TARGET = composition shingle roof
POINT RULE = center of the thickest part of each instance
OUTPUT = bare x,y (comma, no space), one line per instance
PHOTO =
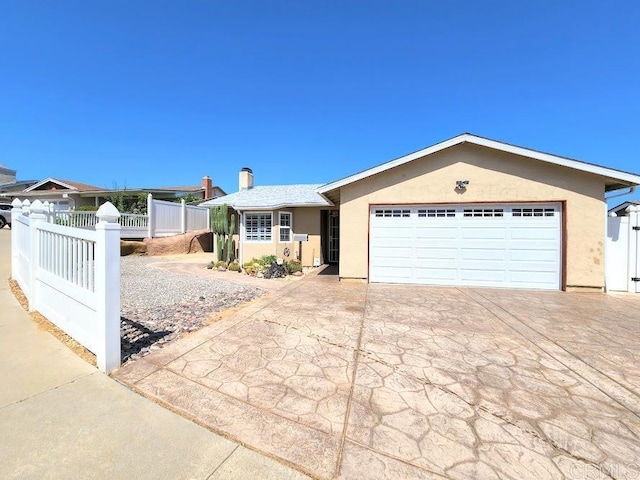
272,197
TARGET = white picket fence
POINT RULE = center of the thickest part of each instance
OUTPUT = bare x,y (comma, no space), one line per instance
71,275
623,252
162,220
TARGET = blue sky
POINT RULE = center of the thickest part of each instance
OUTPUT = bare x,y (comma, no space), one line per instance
151,93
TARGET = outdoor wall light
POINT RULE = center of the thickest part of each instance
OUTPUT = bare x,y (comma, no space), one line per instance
462,184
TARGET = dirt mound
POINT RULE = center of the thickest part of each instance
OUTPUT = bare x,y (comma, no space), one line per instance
191,242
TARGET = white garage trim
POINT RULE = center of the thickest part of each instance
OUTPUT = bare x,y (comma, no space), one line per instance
483,245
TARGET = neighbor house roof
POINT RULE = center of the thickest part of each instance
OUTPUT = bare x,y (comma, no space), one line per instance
621,210
616,178
68,184
270,197
12,186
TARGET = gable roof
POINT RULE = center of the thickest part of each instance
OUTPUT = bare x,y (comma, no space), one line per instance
271,197
618,178
65,184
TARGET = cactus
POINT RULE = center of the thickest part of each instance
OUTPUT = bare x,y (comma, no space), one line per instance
230,243
224,228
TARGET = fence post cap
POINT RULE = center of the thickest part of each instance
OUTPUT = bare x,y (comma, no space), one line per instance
613,214
37,207
26,203
108,213
633,208
16,203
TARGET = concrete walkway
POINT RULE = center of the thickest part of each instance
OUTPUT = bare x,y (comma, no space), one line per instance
61,418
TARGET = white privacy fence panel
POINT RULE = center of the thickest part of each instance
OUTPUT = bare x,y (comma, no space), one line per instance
72,276
167,218
197,218
623,252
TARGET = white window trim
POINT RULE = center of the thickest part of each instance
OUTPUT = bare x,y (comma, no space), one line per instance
290,227
244,236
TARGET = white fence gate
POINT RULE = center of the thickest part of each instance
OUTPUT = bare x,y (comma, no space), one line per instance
71,275
623,252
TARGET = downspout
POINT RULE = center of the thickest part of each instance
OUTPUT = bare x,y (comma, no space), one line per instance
606,228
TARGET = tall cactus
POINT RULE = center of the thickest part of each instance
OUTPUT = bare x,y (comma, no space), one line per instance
230,244
224,228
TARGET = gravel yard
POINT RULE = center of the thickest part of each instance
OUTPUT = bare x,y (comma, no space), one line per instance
159,305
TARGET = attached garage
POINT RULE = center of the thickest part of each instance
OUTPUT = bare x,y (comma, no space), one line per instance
496,245
471,211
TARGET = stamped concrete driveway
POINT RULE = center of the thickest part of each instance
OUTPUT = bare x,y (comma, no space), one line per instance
371,381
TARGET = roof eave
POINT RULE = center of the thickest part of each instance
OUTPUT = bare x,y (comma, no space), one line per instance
624,177
278,206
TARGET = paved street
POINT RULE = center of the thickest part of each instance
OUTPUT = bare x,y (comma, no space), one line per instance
372,381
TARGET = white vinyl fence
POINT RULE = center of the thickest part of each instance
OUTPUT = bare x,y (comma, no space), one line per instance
162,220
623,252
71,275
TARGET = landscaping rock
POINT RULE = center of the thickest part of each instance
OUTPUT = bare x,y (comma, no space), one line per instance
192,242
159,306
132,248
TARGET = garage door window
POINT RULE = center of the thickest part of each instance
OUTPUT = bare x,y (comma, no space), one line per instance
533,212
392,213
439,212
483,212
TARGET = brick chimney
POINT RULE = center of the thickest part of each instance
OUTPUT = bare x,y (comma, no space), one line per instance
245,179
207,186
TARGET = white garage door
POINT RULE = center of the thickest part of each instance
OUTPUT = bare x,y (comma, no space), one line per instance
516,246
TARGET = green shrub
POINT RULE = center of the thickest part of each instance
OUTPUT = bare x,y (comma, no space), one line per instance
293,266
234,267
267,260
221,263
87,208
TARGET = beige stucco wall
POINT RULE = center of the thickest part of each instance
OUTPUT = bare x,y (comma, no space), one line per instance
305,220
493,177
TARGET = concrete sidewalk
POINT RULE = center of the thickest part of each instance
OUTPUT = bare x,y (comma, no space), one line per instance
61,418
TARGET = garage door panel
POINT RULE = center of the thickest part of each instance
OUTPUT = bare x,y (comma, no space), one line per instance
476,245
486,254
393,275
437,274
392,256
528,277
424,232
429,254
530,233
394,232
529,255
483,233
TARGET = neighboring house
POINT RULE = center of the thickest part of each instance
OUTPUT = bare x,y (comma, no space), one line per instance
621,210
269,216
66,194
467,211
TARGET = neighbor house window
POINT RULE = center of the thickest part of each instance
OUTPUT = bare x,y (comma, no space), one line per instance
257,227
285,226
